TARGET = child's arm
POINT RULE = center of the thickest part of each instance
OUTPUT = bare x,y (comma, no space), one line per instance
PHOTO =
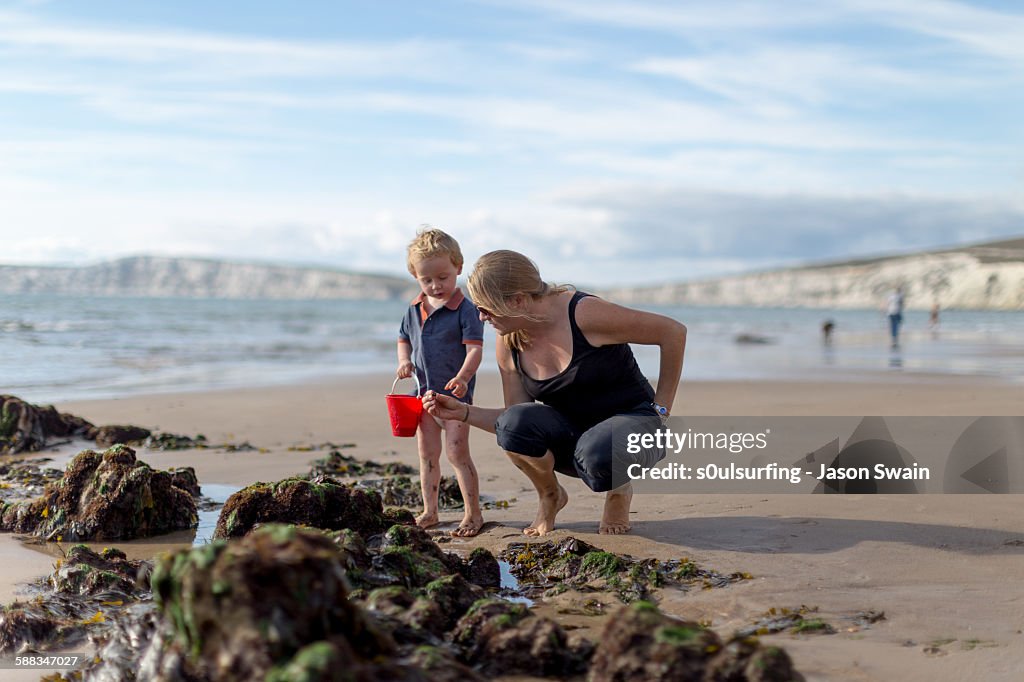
460,382
405,366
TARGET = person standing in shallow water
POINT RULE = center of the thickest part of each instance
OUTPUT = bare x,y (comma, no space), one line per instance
569,380
894,308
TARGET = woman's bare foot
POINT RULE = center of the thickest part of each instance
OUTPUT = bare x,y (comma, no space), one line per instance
615,520
550,505
427,520
470,527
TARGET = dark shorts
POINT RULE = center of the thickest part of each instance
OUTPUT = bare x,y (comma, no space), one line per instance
598,455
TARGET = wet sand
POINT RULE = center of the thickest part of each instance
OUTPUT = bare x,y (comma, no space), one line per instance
948,571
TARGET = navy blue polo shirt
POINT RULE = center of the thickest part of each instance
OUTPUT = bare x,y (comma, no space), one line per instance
439,340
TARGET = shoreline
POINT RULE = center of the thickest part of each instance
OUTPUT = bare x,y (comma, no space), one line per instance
936,565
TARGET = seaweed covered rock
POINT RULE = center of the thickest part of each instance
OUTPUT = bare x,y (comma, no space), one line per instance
454,596
337,465
320,503
641,643
85,572
24,480
78,600
410,619
482,569
25,427
104,496
438,665
186,479
412,558
272,605
499,638
572,563
22,627
402,491
114,434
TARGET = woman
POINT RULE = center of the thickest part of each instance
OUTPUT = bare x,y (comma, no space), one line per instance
568,350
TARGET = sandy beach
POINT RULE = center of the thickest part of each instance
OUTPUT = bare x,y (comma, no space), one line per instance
948,571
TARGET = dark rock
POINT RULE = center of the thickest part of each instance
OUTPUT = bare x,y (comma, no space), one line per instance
410,619
454,596
482,569
272,605
185,478
337,465
403,491
795,621
411,557
22,628
353,552
439,666
83,571
24,480
641,643
116,433
753,339
25,427
104,496
321,503
395,516
501,638
79,599
771,664
171,441
572,563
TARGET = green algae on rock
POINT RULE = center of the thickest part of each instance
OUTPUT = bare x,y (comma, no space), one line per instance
321,503
25,427
500,638
338,465
77,599
557,566
641,643
272,605
104,496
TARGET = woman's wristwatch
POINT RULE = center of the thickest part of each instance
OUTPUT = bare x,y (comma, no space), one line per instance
660,409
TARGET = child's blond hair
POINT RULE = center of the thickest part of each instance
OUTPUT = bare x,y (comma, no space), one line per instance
431,242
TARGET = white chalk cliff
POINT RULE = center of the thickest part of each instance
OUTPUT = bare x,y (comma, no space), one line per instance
984,276
150,276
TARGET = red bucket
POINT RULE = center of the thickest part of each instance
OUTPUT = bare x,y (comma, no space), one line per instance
404,410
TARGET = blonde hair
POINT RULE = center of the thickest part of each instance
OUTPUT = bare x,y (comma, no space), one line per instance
498,276
431,242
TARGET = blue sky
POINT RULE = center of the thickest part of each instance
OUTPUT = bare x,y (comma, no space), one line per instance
614,142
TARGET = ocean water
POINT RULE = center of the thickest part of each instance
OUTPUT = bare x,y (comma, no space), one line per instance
55,348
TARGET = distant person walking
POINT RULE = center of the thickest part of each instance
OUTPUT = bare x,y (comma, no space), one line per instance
894,308
827,327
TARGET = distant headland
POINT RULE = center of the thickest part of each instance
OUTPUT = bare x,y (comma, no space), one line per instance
987,276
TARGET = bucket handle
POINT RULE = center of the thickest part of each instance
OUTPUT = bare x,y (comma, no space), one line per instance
414,376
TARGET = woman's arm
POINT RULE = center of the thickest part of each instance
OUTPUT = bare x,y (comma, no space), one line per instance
511,382
604,323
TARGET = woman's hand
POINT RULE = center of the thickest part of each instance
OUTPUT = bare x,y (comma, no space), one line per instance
444,406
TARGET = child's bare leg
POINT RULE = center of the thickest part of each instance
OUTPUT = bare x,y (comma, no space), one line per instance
457,446
428,441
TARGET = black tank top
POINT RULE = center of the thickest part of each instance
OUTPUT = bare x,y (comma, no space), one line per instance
599,382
